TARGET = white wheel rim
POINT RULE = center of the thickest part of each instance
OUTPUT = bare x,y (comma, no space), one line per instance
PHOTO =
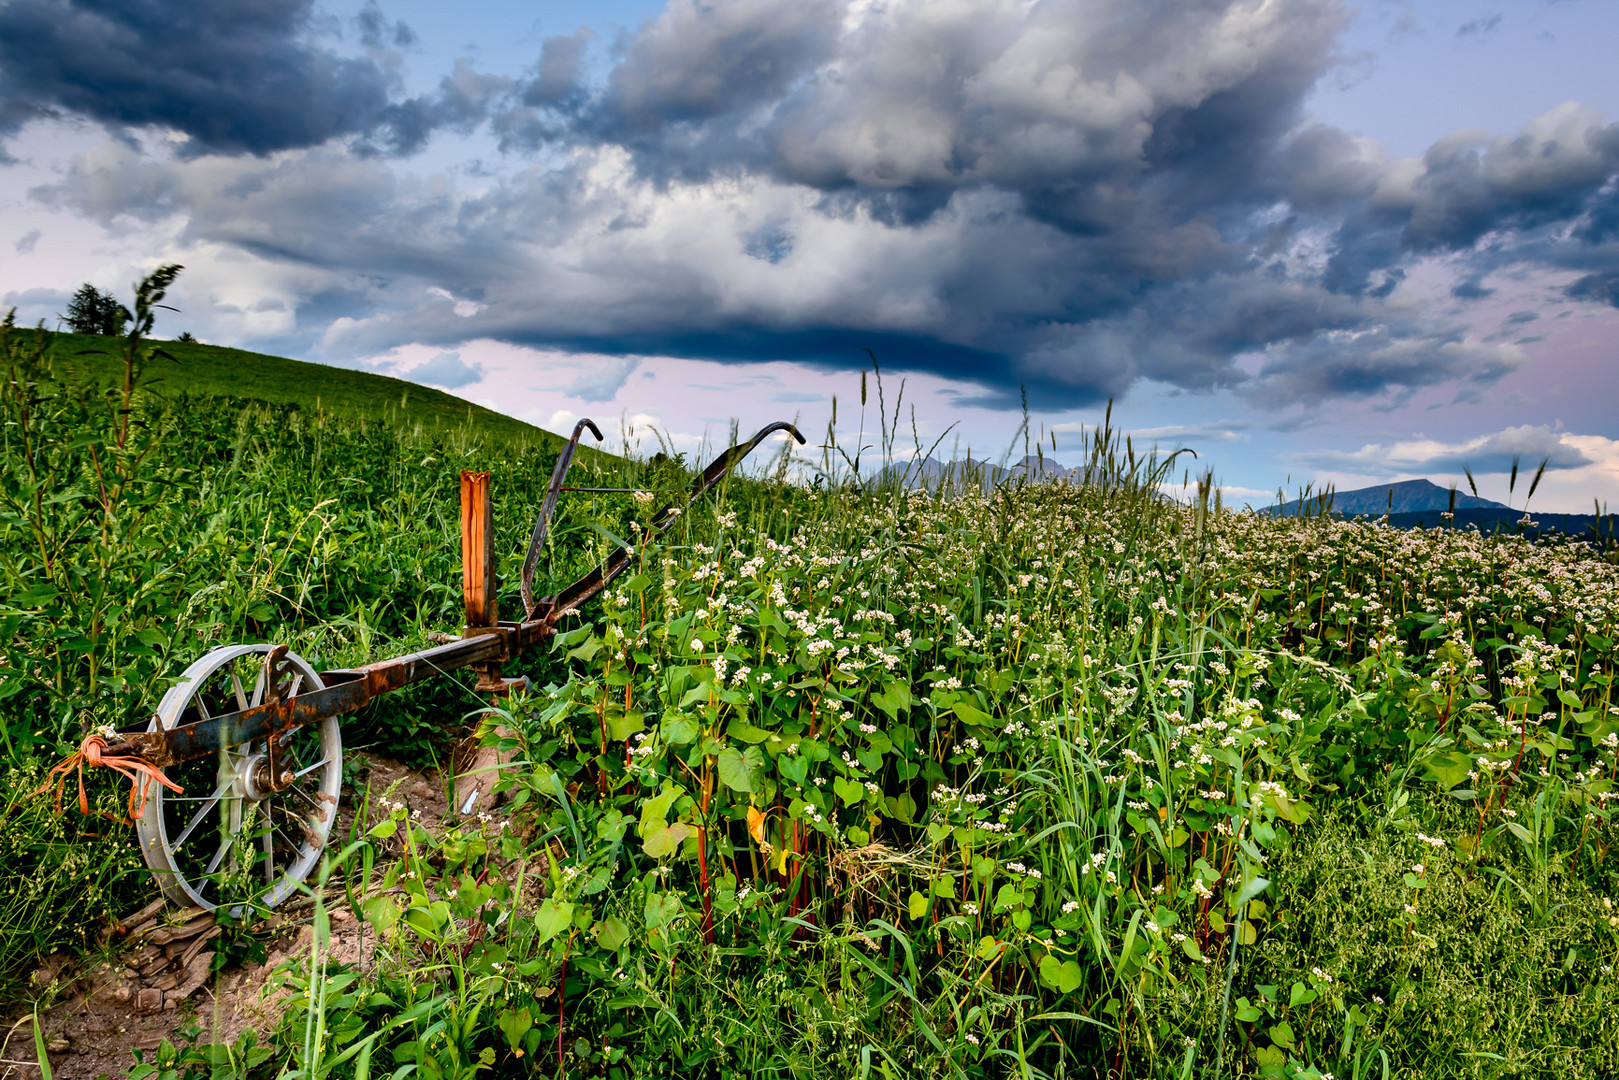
228,843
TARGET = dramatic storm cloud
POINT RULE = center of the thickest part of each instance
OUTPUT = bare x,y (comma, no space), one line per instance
232,75
1065,198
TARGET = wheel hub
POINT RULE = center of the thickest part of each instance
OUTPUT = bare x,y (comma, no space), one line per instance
255,778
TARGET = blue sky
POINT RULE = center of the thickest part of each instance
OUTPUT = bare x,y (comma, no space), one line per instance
1312,241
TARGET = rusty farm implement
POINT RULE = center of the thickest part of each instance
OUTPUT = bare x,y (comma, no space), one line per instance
238,772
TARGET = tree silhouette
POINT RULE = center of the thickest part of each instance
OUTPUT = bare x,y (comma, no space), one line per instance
92,311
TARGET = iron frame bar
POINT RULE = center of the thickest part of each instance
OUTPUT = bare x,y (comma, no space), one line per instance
349,689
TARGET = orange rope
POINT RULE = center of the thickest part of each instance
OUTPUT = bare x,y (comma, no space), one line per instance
138,771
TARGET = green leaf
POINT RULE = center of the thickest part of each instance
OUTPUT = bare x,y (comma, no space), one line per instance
656,809
552,918
848,790
734,771
893,699
1250,889
747,733
972,715
622,726
1448,767
679,729
382,912
662,909
612,932
1070,977
917,904
514,1024
663,842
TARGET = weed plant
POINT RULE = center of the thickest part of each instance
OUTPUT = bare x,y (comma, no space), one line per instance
138,531
852,778
1044,781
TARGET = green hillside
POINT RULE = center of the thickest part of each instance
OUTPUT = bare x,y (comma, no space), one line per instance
215,370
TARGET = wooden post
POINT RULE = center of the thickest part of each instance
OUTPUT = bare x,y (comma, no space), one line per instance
474,786
478,549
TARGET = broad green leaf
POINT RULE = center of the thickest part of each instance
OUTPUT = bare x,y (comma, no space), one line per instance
971,715
747,733
734,772
382,912
621,726
656,809
663,842
552,918
1448,767
612,932
662,909
514,1024
679,729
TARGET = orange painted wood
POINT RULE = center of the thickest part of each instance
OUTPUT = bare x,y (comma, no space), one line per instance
477,549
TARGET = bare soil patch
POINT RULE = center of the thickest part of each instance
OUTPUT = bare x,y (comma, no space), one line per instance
155,982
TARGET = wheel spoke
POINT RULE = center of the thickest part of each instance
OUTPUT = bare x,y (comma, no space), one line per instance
219,856
287,839
196,818
281,828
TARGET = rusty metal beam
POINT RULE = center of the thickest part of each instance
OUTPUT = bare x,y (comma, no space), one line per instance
591,584
486,641
542,523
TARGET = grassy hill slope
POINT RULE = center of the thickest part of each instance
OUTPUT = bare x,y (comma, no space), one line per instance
221,371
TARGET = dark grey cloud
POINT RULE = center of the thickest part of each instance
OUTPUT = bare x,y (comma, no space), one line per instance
1602,287
1054,197
1388,358
235,76
25,243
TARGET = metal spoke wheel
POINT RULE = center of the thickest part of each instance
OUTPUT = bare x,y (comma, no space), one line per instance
237,835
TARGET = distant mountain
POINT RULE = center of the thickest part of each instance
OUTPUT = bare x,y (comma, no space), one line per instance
1506,520
931,473
1409,497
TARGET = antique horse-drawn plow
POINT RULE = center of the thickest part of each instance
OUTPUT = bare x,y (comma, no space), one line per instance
237,774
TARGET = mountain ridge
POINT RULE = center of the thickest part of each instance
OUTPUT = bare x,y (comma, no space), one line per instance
1401,497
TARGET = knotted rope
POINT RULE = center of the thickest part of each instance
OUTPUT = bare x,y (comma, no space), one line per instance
138,771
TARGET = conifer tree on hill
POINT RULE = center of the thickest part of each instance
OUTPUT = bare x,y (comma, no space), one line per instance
92,311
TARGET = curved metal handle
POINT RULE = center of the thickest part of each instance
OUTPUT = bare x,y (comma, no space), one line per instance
542,524
595,581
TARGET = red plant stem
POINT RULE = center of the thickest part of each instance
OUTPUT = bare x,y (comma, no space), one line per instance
562,993
702,884
702,873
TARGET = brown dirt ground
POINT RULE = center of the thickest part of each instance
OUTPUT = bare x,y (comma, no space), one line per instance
92,1026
